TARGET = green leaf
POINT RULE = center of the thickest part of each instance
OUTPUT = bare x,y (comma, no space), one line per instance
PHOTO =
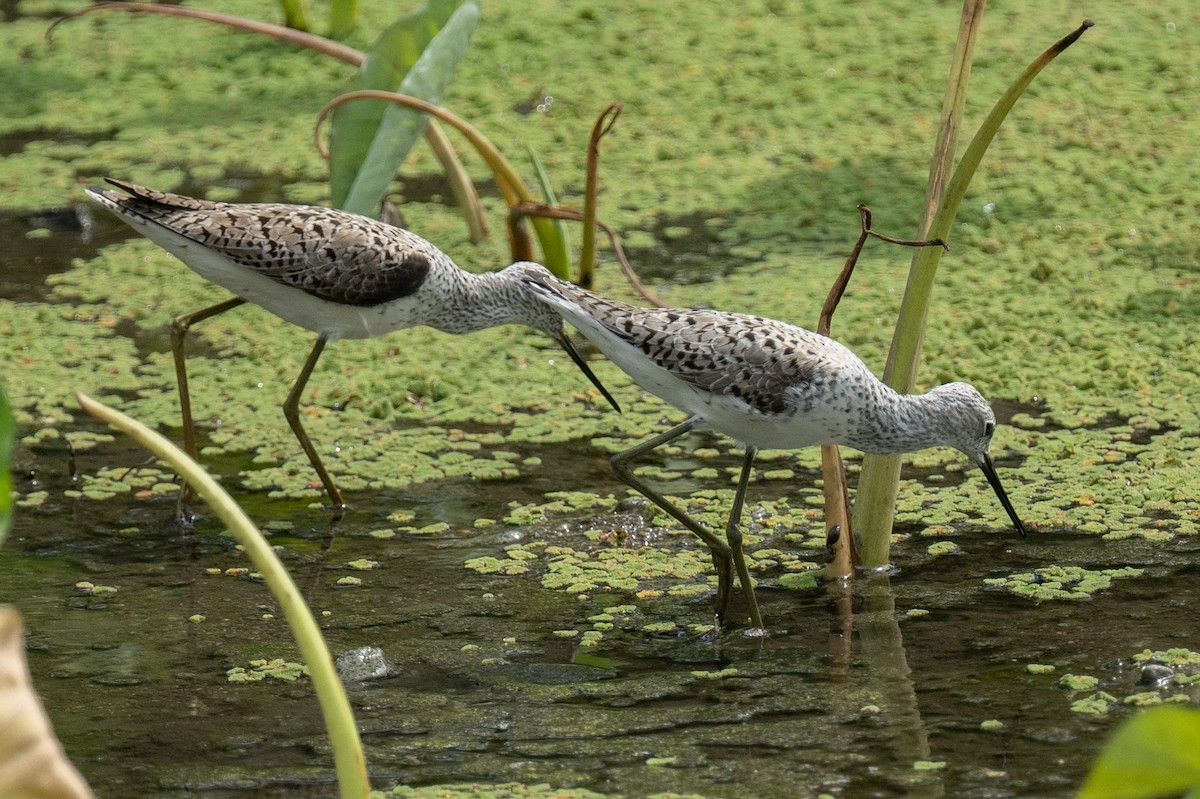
6,448
1154,754
417,55
552,234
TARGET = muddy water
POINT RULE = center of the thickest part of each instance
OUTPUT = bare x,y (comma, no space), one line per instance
845,695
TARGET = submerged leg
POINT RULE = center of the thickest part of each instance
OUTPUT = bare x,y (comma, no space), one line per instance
733,532
179,329
721,555
291,410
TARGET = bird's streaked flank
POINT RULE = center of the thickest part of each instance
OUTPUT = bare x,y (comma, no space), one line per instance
337,274
766,384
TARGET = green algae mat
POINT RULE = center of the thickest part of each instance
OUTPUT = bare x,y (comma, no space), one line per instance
549,636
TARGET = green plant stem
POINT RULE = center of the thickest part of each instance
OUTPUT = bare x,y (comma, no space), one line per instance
331,694
875,505
295,14
343,16
879,481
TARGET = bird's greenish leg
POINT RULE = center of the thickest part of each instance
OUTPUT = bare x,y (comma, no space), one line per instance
733,533
721,553
179,328
291,410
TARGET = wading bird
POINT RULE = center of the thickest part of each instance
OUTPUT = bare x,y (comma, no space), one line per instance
337,274
766,384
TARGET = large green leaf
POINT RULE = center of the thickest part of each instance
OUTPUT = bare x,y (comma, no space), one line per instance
417,55
1154,754
6,448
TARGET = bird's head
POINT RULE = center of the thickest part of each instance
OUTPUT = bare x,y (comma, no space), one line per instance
970,424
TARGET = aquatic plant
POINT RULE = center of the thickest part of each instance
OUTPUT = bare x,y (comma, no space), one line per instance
875,504
343,15
517,195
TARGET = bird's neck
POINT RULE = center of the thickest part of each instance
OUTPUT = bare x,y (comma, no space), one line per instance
893,423
476,301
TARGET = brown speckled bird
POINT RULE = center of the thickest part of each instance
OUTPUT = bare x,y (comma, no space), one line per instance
766,384
337,274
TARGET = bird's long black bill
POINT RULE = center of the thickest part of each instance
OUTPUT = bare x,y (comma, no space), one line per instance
587,370
989,471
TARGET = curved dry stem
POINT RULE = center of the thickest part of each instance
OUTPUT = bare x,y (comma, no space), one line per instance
587,256
507,180
460,182
309,41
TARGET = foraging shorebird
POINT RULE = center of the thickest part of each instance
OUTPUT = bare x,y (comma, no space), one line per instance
766,384
337,274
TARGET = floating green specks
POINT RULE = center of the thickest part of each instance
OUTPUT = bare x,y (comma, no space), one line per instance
363,564
1060,582
518,558
1039,668
660,627
33,499
507,790
1097,704
685,590
1169,657
943,548
592,638
929,765
801,581
1144,699
715,675
86,587
1078,682
348,582
991,725
276,669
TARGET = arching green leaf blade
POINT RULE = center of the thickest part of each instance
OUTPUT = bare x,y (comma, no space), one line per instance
369,140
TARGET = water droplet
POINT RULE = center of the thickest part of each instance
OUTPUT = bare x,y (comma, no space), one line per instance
989,208
1170,27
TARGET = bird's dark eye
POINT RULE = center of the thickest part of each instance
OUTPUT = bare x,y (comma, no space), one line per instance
989,428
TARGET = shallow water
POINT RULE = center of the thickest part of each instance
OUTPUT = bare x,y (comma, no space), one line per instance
846,693
1069,297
